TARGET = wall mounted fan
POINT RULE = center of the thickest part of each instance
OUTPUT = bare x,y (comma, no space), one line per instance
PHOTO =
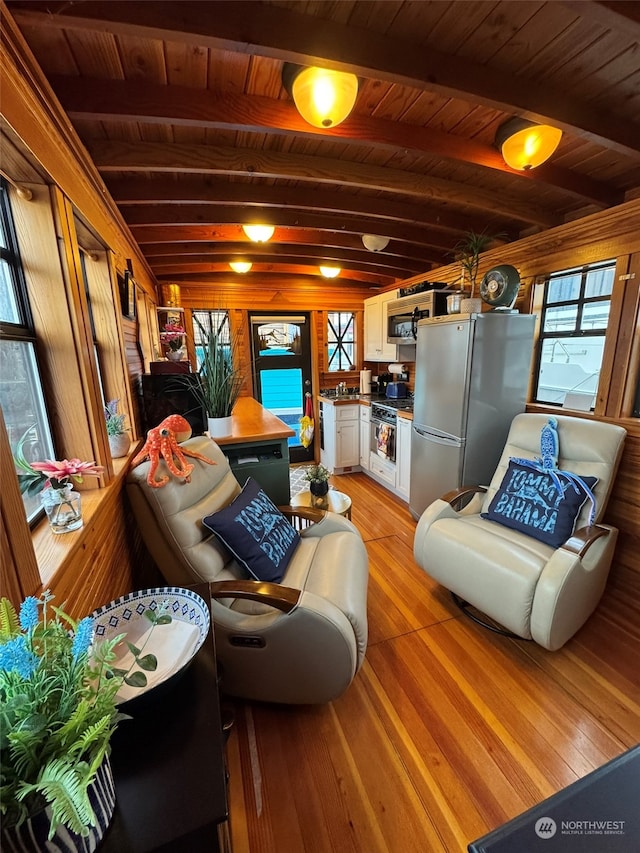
499,287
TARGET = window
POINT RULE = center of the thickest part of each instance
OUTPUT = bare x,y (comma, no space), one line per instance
575,315
340,341
211,321
21,395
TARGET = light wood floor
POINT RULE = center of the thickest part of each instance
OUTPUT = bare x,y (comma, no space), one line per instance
447,731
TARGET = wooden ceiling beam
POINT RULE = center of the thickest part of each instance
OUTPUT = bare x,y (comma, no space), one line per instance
133,101
187,190
292,36
272,251
287,239
262,261
270,276
210,217
118,156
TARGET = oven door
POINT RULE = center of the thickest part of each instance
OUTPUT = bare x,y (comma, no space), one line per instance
383,439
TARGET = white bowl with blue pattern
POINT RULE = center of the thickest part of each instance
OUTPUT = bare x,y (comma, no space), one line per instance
174,644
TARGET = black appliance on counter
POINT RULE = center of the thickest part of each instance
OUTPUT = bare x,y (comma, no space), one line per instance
383,380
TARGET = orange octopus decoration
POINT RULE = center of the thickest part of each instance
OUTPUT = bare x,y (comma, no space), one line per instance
162,441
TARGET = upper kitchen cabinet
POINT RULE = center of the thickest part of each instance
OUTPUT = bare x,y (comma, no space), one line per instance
376,347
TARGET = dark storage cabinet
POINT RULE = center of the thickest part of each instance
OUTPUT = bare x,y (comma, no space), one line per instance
171,394
267,462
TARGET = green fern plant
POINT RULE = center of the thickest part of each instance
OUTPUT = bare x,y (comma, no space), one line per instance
58,709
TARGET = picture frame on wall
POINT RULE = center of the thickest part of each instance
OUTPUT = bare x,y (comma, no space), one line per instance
127,295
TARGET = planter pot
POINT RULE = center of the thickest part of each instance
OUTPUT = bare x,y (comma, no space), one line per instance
319,487
220,427
471,306
119,444
32,835
175,355
63,508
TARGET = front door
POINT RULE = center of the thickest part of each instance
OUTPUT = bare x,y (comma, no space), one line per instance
281,351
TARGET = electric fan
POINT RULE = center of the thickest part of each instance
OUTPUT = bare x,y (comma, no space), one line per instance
499,287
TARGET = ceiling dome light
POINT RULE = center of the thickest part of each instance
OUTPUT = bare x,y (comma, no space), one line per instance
330,272
259,233
525,145
323,97
240,266
374,243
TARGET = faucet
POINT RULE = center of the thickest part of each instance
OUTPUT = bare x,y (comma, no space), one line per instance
341,388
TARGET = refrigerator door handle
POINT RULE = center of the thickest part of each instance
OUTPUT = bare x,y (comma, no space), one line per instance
438,439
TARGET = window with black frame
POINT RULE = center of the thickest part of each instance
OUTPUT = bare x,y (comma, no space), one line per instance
574,320
341,340
21,391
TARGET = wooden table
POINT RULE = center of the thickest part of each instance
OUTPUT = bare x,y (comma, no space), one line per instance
334,501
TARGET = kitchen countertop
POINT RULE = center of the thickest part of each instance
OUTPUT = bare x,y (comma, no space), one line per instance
362,399
251,422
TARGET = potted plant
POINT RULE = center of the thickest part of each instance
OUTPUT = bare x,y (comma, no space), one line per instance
119,440
58,710
467,251
220,380
318,478
172,335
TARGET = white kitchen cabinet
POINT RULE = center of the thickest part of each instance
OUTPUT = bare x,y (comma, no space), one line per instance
340,445
327,434
403,457
376,347
365,436
347,436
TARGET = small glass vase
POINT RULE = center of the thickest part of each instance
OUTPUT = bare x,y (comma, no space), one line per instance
63,508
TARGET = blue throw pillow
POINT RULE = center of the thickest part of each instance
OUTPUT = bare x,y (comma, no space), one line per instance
256,533
530,501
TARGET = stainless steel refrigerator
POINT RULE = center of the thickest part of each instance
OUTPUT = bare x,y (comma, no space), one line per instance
472,376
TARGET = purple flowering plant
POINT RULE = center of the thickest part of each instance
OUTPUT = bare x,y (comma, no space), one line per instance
58,709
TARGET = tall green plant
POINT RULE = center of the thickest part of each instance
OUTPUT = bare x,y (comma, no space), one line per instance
468,250
220,379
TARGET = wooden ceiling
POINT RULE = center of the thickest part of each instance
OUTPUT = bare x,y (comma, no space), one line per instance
182,109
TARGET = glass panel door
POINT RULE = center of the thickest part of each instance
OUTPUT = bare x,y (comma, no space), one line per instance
282,362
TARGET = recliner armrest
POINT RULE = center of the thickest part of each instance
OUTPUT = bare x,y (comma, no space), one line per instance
581,540
455,497
283,598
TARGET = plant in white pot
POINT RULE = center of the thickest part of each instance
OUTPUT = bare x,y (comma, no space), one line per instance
220,379
119,440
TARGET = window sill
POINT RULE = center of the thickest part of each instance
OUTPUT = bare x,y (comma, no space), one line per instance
53,550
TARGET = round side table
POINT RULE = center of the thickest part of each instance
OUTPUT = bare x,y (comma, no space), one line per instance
334,501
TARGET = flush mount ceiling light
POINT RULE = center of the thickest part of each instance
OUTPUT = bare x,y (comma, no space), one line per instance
323,97
330,272
240,266
259,233
525,145
374,243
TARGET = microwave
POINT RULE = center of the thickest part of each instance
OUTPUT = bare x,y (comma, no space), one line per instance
403,314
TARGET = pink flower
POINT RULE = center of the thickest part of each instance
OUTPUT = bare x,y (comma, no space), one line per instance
61,471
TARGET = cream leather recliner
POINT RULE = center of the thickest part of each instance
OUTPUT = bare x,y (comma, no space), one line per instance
300,641
533,590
